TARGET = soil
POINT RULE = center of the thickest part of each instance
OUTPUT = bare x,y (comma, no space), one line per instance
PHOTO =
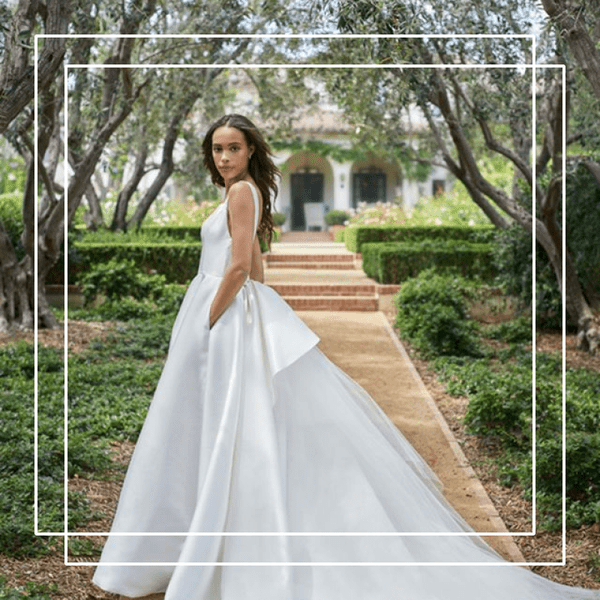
583,545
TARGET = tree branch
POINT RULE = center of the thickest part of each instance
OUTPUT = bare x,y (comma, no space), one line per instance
570,19
491,142
17,76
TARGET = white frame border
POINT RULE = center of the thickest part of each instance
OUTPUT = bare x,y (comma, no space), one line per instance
66,534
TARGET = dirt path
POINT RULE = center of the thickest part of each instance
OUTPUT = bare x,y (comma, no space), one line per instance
364,346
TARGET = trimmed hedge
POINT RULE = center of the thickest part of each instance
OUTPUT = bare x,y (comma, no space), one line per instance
355,237
396,262
340,235
176,260
179,232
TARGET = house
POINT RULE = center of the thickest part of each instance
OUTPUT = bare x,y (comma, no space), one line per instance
314,177
317,179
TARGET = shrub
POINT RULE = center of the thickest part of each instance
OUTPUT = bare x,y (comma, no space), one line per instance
500,405
12,219
278,219
340,235
164,301
433,316
139,339
16,451
30,591
583,223
513,253
118,279
147,234
515,331
176,260
377,213
357,236
395,262
502,409
336,217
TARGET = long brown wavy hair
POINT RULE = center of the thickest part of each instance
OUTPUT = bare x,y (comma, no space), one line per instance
261,166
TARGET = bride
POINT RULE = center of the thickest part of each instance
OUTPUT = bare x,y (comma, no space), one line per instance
260,462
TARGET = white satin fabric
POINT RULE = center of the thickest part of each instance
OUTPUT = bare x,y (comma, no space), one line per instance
253,429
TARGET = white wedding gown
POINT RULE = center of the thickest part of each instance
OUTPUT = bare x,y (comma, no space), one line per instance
253,429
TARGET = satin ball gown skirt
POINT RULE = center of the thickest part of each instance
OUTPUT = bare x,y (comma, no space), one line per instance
253,430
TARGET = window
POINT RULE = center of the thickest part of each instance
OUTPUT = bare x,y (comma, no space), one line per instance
368,186
438,186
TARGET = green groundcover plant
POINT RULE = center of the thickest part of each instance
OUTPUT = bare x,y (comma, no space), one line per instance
497,380
110,386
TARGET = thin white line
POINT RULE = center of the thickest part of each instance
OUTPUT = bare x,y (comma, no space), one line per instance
290,534
531,37
533,300
298,66
501,565
347,534
564,319
563,314
66,305
227,36
330,66
35,292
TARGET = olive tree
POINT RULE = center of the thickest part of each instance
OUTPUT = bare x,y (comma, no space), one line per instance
470,112
104,100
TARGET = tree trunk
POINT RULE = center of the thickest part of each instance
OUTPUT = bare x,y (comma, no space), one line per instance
8,265
93,216
550,238
118,222
166,165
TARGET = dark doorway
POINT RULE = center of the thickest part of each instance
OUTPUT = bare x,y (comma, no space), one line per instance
306,187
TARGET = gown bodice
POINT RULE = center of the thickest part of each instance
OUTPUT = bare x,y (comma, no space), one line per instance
216,239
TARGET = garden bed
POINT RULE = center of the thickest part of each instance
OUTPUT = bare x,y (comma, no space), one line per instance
583,544
50,574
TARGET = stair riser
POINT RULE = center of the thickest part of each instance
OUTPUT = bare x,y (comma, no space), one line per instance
311,265
324,290
365,304
273,258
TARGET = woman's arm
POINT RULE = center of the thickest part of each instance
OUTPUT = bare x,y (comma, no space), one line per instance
241,211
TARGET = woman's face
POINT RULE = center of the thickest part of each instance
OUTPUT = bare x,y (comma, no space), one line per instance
231,154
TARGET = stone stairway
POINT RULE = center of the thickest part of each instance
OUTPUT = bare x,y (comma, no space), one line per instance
323,276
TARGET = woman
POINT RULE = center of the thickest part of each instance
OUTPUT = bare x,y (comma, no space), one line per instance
252,430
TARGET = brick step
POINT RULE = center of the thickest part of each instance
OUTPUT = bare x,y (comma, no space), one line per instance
273,258
311,265
369,303
325,289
